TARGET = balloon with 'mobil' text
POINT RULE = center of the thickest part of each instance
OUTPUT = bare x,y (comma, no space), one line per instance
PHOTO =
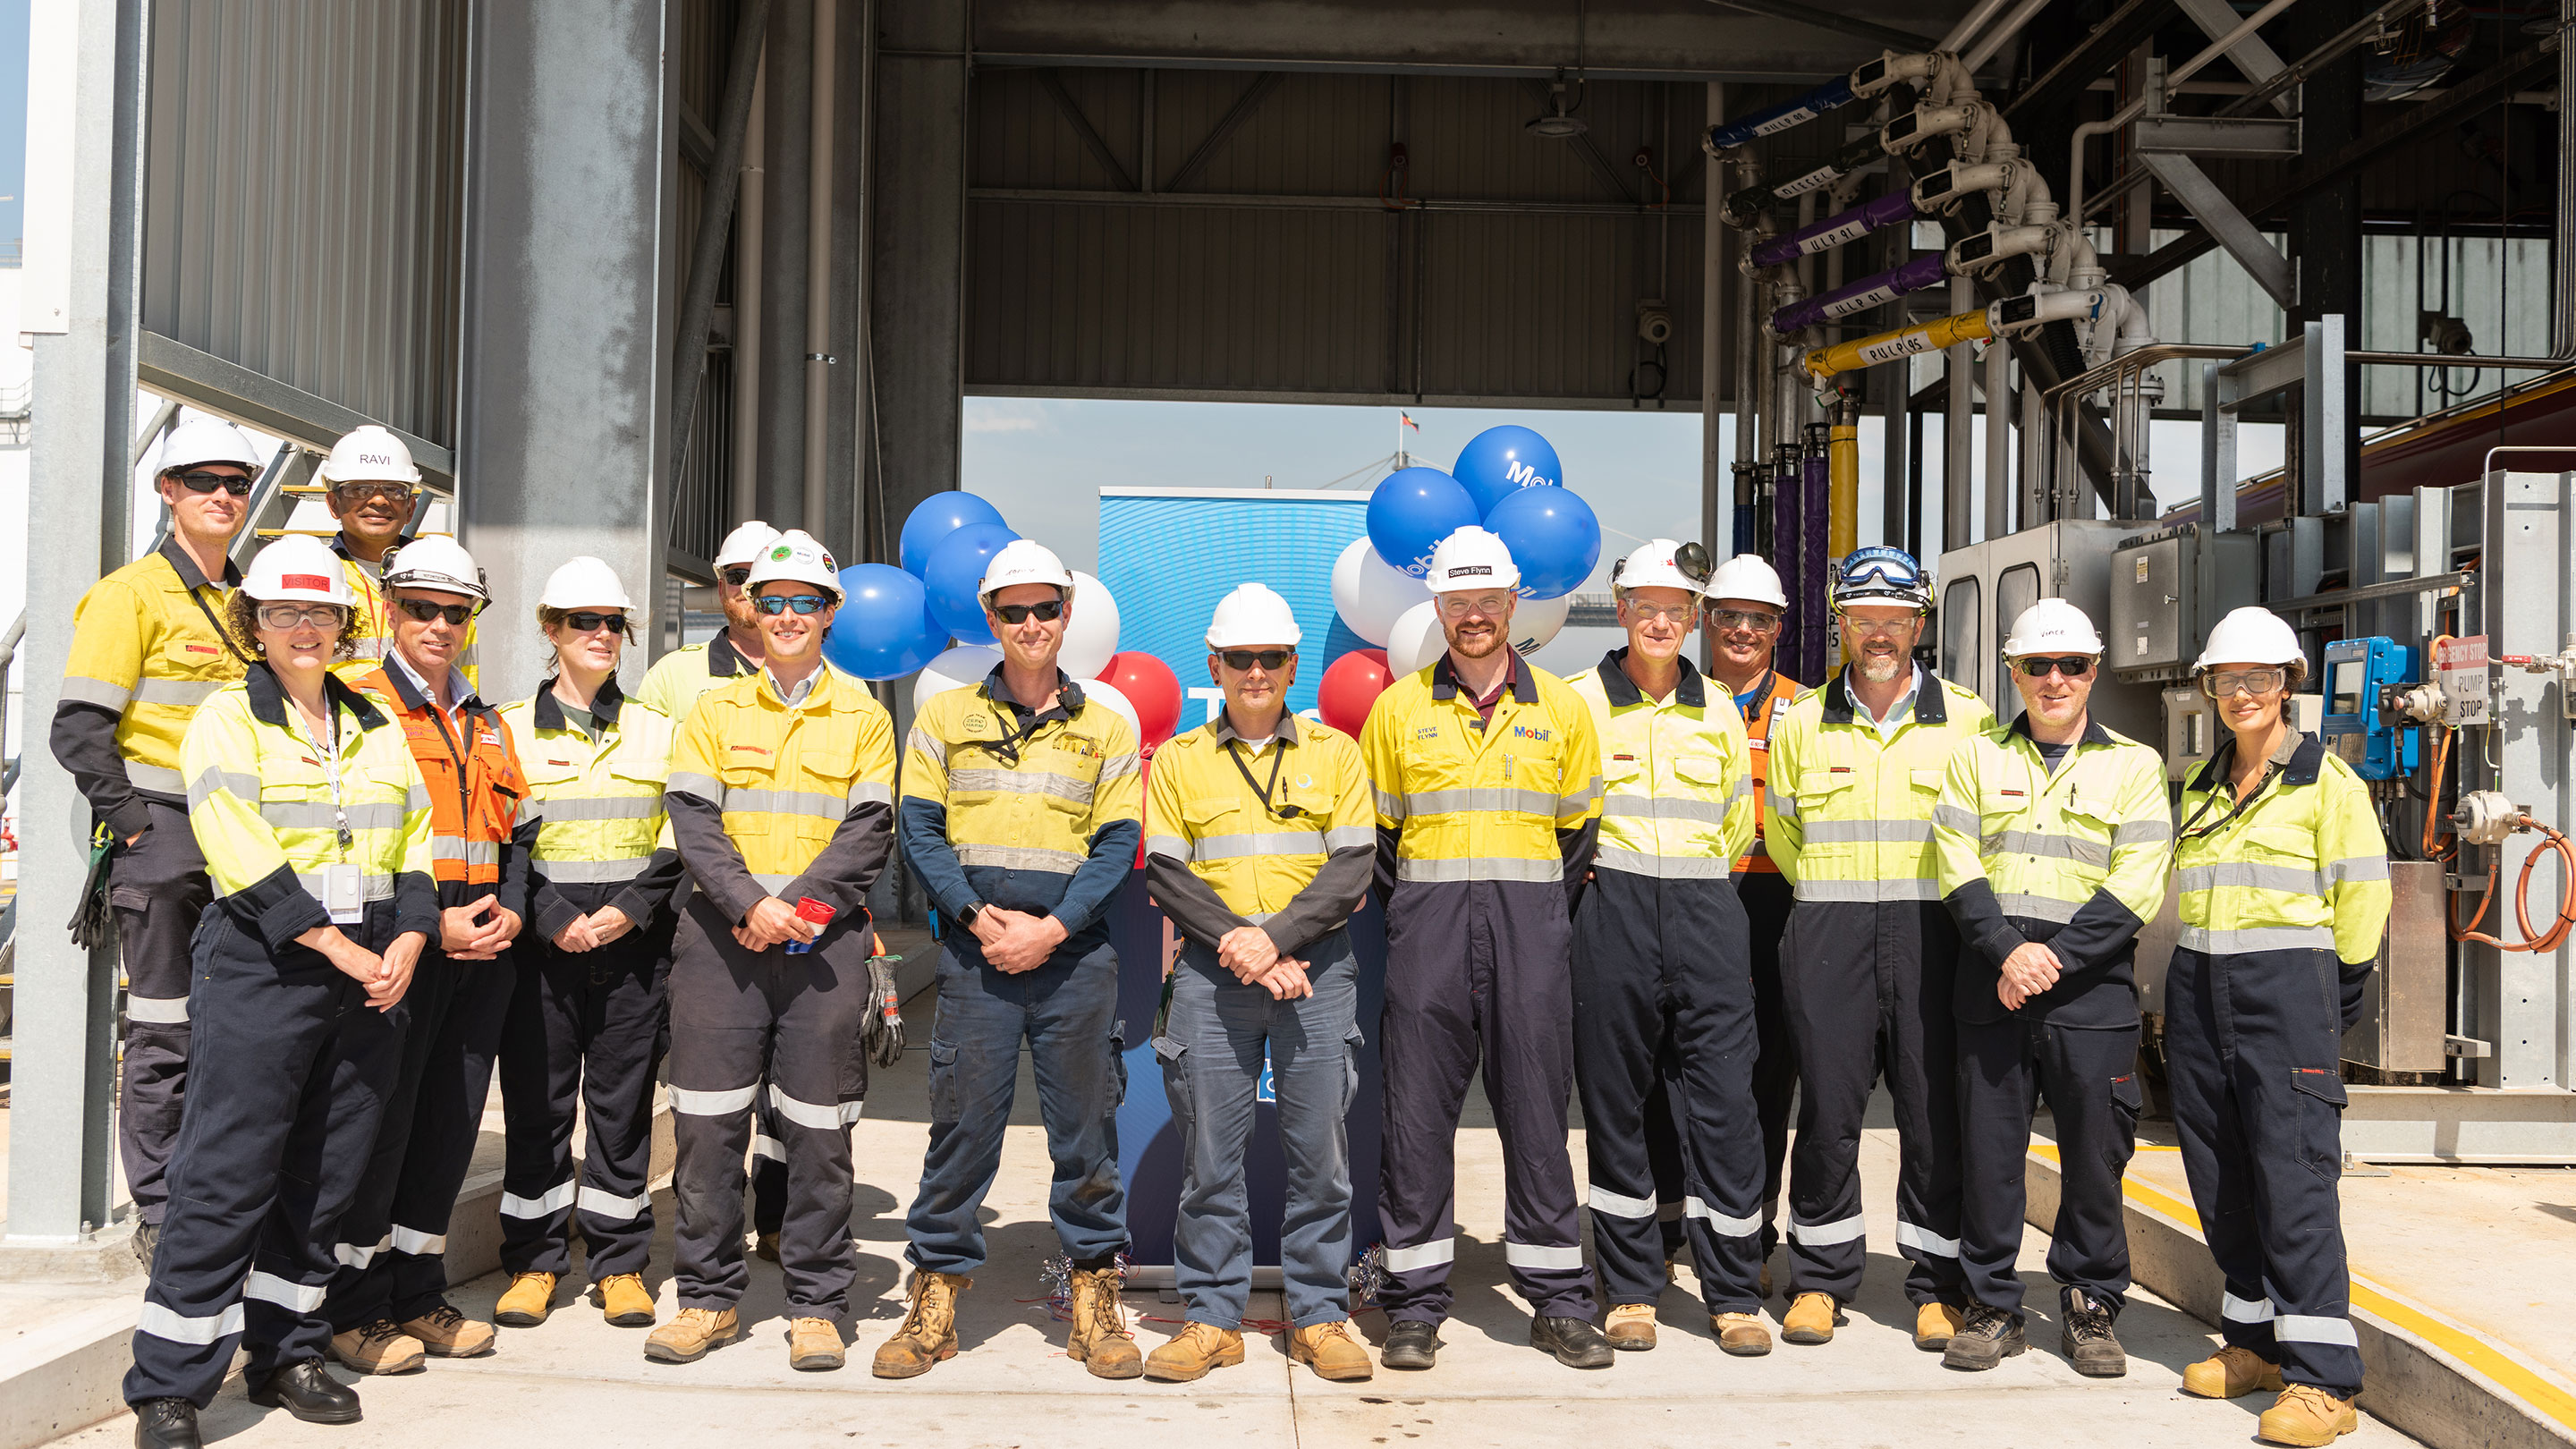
1553,538
1501,461
1411,511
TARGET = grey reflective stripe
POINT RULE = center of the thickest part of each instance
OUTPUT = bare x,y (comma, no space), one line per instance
373,887
2141,832
161,778
1118,766
202,789
158,1010
1959,818
418,799
2049,847
1923,1240
774,883
1540,1257
1812,889
2314,1328
2357,867
820,1116
320,815
1021,782
1343,837
1827,1234
689,782
869,792
2244,1310
1868,832
2247,875
922,740
785,802
1250,843
1020,857
1665,807
1719,1222
284,1292
554,1200
1426,1255
81,689
1661,867
472,852
1489,867
698,1103
608,1207
1575,802
600,807
2038,908
177,1327
1390,805
188,693
1170,847
589,872
1618,1205
1495,798
2256,938
1783,804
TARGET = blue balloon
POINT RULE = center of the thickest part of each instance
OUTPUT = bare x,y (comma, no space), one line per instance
1413,510
936,517
884,629
1553,537
954,575
1499,462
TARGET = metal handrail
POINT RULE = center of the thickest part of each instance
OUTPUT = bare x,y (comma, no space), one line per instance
8,660
2131,417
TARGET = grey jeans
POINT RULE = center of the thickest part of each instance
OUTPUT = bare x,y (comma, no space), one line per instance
1212,1053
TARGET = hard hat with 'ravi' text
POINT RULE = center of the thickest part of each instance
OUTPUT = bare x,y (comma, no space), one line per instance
745,545
584,583
2251,635
2052,626
798,557
1253,614
438,563
297,567
369,454
1748,576
1470,559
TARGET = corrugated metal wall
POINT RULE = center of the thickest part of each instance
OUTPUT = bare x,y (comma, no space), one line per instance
1278,268
302,183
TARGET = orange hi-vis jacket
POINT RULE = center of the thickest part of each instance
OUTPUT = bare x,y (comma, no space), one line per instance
475,787
1758,718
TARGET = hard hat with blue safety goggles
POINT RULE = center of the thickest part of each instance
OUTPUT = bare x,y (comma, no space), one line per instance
1881,575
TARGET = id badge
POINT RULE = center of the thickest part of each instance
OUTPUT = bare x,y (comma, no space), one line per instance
344,894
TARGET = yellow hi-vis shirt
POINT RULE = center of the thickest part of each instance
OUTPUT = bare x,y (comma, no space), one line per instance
147,651
679,679
2074,857
374,643
1851,808
1259,856
1475,799
2302,867
785,779
598,804
1677,794
264,808
1019,810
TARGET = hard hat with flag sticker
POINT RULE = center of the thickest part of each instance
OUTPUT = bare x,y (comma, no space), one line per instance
297,567
798,557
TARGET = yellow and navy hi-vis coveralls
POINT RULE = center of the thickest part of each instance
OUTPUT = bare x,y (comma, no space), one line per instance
1662,975
291,1064
1867,966
2074,858
1284,839
1485,828
585,1029
1037,811
793,798
146,651
374,603
2284,900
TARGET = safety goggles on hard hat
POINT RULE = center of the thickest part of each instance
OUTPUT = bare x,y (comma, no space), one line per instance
1891,571
776,604
1045,613
2039,666
232,483
423,611
1690,561
2222,683
1243,659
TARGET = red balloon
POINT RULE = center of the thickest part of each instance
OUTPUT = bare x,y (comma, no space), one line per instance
1351,686
1149,685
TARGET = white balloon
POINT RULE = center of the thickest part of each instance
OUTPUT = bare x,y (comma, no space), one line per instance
1114,697
1091,633
1536,621
1416,639
1370,593
965,665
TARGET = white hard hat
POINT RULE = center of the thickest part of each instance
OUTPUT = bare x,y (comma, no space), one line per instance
1748,576
200,439
2251,635
1253,614
796,556
435,562
1472,558
584,583
745,544
369,454
1659,565
298,567
1023,561
2052,626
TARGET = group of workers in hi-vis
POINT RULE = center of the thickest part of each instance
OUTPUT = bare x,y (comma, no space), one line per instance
349,890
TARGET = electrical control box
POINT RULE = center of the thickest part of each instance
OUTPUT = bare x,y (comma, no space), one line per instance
2361,722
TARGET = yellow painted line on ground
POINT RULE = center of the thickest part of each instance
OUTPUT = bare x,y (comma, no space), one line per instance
2544,1398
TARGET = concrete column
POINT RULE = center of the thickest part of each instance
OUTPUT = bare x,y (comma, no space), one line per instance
570,274
918,247
84,175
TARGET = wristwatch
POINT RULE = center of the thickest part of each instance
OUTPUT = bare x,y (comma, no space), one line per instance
967,916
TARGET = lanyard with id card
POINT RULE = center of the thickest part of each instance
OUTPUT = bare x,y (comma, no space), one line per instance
344,885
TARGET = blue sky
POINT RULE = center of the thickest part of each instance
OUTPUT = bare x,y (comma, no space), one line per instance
13,121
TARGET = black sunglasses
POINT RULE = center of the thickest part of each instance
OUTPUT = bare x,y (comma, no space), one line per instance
2073,666
422,610
1270,659
1046,613
589,619
736,576
777,604
237,486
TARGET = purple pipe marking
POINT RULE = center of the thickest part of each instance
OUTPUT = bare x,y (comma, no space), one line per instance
1834,230
1787,556
1924,271
1811,592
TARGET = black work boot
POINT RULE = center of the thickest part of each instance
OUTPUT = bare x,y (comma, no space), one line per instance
1990,1336
304,1390
1410,1344
166,1424
2086,1338
1574,1341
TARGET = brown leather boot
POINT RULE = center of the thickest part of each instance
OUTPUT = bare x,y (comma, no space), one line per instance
1630,1326
1197,1348
445,1333
1334,1352
929,1332
378,1348
1100,1340
1741,1334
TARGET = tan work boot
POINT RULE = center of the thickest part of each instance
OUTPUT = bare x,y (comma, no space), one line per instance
692,1335
624,1302
1935,1324
1335,1354
445,1333
1630,1326
1100,1340
2306,1414
2230,1373
1190,1353
1810,1319
1742,1334
814,1344
929,1331
765,1246
378,1348
530,1297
